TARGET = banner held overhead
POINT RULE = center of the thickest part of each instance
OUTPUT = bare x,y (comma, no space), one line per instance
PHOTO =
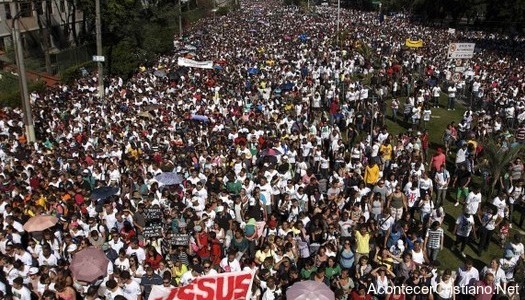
225,286
186,62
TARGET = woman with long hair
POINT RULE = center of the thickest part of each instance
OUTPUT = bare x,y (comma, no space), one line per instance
153,258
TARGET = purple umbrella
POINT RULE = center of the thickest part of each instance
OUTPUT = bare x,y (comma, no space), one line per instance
200,118
309,290
270,152
169,178
89,265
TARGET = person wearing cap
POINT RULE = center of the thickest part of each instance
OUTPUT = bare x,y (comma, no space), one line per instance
34,278
68,247
382,276
508,263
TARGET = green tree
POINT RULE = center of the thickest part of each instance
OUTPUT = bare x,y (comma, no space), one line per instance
497,159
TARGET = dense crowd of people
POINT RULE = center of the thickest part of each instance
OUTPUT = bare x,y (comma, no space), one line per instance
288,131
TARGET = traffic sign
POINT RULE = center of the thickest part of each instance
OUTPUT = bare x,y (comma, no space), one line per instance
99,58
456,77
461,50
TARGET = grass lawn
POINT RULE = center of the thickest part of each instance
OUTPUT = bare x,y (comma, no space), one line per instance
440,118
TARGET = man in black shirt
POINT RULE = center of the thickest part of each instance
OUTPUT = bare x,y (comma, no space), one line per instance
223,218
312,191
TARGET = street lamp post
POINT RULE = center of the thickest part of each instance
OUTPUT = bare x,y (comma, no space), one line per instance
98,28
180,17
24,92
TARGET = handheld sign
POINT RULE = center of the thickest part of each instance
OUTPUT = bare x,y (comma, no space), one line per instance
180,239
153,214
152,231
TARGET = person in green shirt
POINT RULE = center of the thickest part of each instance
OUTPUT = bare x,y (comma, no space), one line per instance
332,269
234,186
308,270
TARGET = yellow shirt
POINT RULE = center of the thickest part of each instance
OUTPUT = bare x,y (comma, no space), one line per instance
371,174
177,274
386,151
261,255
41,201
362,243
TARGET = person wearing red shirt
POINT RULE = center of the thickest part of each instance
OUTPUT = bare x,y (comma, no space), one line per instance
216,249
361,293
424,144
201,239
127,232
438,160
153,258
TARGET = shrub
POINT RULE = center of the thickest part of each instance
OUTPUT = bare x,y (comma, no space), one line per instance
70,74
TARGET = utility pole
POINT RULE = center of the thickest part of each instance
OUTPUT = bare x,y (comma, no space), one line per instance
24,92
180,18
338,18
100,54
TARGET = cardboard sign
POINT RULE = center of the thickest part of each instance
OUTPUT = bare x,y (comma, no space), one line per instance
152,231
224,286
180,239
153,214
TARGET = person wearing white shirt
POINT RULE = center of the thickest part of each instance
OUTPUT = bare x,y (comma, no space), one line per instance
122,262
464,225
22,255
516,246
452,97
9,270
436,92
190,275
112,290
508,263
473,201
500,203
34,248
500,279
130,288
116,243
467,275
47,258
110,216
272,291
138,251
20,292
230,263
442,179
461,155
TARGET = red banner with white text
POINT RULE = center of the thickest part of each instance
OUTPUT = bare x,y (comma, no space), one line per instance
224,286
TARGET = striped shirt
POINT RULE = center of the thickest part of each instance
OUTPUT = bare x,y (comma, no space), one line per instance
434,238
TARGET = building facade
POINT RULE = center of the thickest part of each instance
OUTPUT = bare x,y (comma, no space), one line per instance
51,12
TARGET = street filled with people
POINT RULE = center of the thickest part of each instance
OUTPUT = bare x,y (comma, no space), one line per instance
278,160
